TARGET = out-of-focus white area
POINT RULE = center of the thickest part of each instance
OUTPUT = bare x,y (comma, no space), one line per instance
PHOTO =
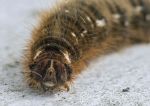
101,84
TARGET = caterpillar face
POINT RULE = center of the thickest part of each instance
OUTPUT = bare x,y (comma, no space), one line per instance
49,71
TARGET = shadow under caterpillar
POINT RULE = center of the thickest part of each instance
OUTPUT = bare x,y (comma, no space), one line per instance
78,31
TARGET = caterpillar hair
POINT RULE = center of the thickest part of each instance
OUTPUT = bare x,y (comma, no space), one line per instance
77,31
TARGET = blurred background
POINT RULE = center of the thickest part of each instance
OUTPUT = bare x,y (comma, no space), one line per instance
119,79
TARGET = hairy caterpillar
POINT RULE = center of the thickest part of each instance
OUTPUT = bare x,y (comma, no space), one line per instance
77,31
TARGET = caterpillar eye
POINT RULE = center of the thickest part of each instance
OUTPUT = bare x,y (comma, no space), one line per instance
32,66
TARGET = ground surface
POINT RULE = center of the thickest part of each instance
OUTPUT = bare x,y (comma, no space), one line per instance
119,79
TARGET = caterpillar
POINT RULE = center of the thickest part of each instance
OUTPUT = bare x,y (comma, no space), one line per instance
77,31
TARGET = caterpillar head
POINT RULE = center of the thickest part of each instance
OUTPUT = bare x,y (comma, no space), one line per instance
51,70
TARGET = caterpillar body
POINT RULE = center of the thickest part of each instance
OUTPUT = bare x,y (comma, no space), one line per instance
77,31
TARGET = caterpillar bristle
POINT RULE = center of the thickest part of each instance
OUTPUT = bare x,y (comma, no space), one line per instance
77,31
